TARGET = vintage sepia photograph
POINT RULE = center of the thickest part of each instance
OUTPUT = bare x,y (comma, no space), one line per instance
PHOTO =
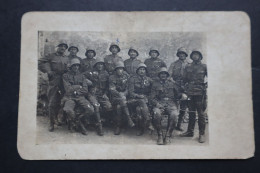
127,88
135,85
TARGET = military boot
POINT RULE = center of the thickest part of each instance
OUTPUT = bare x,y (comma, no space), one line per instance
160,139
100,129
51,127
129,119
82,127
202,138
180,119
187,134
117,130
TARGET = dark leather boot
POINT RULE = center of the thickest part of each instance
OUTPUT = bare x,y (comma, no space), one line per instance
129,119
51,127
187,134
117,130
82,128
100,129
160,139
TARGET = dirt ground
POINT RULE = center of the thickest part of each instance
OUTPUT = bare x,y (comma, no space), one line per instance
128,136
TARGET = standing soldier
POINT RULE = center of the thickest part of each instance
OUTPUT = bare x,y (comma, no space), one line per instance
98,92
111,60
139,89
55,65
154,64
194,76
164,95
76,88
176,71
73,49
132,63
118,83
89,61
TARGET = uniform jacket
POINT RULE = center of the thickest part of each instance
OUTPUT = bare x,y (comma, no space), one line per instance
164,91
100,81
87,64
118,84
138,85
75,84
55,63
110,62
176,71
131,65
194,76
154,66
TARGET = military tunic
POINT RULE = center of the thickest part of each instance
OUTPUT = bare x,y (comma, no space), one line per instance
131,65
153,66
87,64
118,88
110,62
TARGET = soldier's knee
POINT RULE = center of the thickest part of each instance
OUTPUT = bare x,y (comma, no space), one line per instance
89,108
157,113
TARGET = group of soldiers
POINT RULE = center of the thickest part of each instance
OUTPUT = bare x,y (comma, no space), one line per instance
110,87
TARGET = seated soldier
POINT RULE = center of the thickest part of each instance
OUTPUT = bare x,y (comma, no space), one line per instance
98,91
164,94
118,83
139,88
76,88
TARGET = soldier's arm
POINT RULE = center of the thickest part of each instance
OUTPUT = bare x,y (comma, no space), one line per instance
67,86
170,71
112,86
131,88
84,89
153,99
44,64
163,64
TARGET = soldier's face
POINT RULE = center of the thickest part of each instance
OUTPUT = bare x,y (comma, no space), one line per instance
141,71
195,57
163,76
100,66
154,54
132,54
182,56
90,54
75,67
114,49
62,48
119,71
73,51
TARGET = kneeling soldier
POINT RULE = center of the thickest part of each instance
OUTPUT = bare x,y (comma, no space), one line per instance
98,92
139,88
118,83
164,94
76,88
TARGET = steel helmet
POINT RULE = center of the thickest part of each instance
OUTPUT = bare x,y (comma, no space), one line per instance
62,42
182,50
98,60
154,49
141,65
119,64
132,48
163,70
74,61
90,49
73,46
114,44
196,51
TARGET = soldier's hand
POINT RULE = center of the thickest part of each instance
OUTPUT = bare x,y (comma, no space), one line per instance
158,105
140,96
51,74
184,96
